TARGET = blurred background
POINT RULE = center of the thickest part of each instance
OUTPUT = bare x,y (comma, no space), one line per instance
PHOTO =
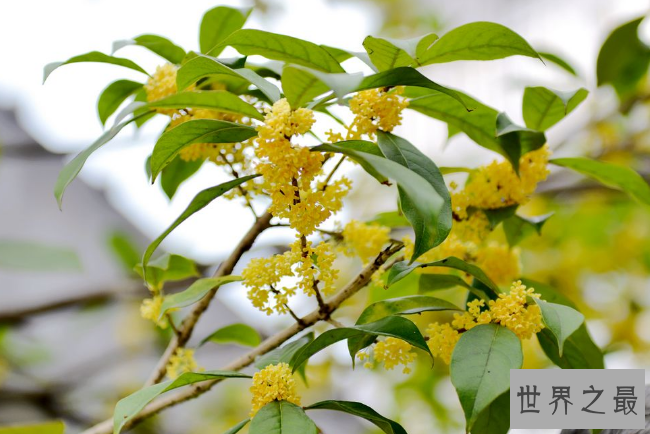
72,341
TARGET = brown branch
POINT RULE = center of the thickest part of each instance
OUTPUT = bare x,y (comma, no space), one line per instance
267,345
187,326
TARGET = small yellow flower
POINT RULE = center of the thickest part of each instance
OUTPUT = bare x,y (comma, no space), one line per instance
150,309
181,362
499,261
442,340
161,85
376,109
393,352
513,311
273,383
365,240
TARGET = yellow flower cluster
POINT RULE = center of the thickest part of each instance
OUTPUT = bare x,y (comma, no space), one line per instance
392,352
311,266
162,84
289,170
376,109
150,309
181,362
365,240
273,383
497,185
509,310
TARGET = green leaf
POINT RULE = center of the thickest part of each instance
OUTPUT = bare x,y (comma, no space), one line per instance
480,367
392,219
495,419
561,320
72,169
235,333
172,141
56,427
427,205
284,354
235,429
393,326
361,410
401,151
435,282
200,201
219,23
498,215
477,41
125,249
194,293
301,87
93,56
130,406
113,96
447,170
623,59
580,351
516,140
282,417
402,269
517,228
167,268
385,55
612,175
409,305
554,58
157,44
219,100
544,107
36,257
177,172
202,66
274,46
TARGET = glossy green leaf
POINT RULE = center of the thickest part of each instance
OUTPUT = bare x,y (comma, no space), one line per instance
517,228
516,141
200,201
37,257
477,41
194,293
401,151
72,169
235,429
288,49
618,177
177,172
56,427
172,141
285,353
436,282
480,367
235,334
623,59
402,269
554,58
409,305
202,66
113,96
561,320
498,215
167,268
385,55
219,100
544,107
392,326
157,44
93,56
219,23
129,407
427,205
360,410
301,87
580,351
495,419
282,417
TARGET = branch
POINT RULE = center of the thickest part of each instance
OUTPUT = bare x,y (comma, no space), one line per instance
195,390
187,326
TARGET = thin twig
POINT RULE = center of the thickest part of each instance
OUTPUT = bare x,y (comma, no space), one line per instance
193,391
